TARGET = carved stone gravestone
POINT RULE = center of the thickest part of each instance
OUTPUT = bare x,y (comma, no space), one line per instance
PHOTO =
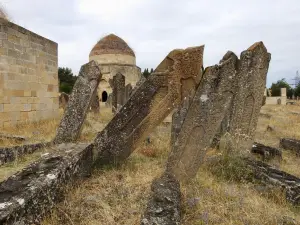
203,118
176,77
251,75
63,99
79,103
95,105
118,92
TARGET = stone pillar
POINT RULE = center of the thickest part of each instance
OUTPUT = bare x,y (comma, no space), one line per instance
118,92
283,92
128,90
95,105
79,103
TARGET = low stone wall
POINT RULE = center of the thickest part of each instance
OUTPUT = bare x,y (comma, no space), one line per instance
9,154
280,100
26,196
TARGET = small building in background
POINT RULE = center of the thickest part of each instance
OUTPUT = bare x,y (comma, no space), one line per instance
114,57
276,100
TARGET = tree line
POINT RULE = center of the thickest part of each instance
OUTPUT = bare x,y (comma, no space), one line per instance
275,88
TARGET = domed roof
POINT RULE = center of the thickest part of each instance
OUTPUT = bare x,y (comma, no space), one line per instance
111,44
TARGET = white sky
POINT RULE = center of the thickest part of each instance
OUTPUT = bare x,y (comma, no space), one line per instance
154,27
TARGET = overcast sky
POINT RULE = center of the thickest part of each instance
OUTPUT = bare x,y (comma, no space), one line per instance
154,27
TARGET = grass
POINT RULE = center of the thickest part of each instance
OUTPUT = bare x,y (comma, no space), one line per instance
220,194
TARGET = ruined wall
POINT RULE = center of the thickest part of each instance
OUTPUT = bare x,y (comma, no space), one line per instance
28,76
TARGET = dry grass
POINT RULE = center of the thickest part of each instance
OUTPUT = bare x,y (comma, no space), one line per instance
9,169
285,121
220,194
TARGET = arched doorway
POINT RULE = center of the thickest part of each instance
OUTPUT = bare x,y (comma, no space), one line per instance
104,96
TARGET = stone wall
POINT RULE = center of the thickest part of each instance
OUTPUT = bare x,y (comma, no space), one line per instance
279,100
28,76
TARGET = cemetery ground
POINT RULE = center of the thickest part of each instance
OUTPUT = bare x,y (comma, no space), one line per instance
221,193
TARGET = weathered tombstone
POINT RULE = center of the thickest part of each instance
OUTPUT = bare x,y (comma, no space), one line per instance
108,103
176,76
80,100
203,118
63,99
95,105
251,75
164,205
128,90
118,92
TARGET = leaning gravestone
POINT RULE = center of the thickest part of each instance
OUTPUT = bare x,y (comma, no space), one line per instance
251,75
128,90
79,103
180,72
203,118
118,92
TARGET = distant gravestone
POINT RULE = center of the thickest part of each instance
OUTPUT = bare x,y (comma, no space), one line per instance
63,99
128,90
118,92
203,118
149,104
79,103
95,105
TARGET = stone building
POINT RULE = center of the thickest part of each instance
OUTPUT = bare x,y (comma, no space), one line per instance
28,76
276,100
114,56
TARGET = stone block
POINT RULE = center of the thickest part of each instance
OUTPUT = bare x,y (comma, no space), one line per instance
3,36
13,53
4,116
26,107
79,103
3,51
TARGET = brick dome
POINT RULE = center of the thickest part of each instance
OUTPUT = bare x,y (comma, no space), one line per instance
111,44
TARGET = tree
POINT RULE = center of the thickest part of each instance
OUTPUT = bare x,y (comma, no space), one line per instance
66,79
146,72
275,88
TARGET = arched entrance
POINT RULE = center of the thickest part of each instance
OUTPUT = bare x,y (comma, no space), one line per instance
104,96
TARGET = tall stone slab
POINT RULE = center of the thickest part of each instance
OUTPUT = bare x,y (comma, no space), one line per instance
63,100
118,91
203,119
95,105
150,103
79,103
251,74
128,91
